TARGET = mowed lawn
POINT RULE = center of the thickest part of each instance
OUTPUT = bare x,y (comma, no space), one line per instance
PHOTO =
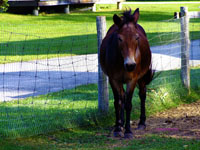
27,37
70,119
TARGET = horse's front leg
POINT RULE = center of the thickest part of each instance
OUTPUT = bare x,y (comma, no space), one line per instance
119,98
142,95
128,108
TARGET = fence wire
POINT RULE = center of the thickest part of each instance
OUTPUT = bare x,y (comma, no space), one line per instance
41,72
48,77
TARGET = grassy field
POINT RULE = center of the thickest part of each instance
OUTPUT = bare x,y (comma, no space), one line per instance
78,107
26,37
74,112
95,139
81,126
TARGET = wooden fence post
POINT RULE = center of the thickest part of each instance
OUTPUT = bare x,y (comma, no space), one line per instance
66,9
36,11
103,93
176,15
94,8
185,47
119,5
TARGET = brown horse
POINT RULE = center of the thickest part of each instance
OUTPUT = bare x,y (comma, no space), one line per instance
125,57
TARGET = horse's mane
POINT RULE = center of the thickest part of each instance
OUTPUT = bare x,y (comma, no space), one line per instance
127,17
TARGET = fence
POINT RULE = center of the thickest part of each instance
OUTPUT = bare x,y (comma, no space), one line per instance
102,79
48,75
120,4
42,69
185,43
185,52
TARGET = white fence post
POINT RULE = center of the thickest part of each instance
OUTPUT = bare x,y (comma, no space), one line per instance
185,47
103,93
36,11
67,9
94,7
119,5
176,15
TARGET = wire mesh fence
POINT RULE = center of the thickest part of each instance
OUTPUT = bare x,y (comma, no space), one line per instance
37,60
166,47
48,77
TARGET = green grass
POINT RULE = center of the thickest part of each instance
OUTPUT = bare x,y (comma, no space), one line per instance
26,37
78,107
160,143
74,112
95,139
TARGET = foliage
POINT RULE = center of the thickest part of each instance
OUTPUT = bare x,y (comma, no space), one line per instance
3,5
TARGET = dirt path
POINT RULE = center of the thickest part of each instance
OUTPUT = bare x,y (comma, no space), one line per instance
180,122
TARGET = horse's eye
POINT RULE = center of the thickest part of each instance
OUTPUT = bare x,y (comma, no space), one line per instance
137,38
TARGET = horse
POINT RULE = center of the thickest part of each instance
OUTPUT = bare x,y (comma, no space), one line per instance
125,57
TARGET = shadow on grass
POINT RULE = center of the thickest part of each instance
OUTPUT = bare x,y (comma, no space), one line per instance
20,120
45,113
72,45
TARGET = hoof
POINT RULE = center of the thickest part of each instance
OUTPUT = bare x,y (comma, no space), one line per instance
118,134
141,127
128,135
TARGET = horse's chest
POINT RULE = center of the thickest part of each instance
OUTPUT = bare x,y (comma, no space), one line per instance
124,76
127,77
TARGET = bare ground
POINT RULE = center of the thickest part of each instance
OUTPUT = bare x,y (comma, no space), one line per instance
180,122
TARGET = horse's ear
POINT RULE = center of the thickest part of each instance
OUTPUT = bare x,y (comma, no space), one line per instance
117,20
136,15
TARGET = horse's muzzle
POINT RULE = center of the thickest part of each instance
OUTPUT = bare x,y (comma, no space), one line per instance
130,67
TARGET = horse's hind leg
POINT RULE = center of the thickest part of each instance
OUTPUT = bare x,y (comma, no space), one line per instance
119,96
142,95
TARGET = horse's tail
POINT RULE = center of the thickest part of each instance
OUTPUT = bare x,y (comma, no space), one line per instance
149,76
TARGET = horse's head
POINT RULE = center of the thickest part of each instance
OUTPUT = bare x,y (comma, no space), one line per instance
128,38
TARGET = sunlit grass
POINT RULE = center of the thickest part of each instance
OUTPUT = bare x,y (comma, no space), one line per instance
79,107
29,37
74,112
75,33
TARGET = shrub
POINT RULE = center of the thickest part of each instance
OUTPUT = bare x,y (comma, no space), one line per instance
3,5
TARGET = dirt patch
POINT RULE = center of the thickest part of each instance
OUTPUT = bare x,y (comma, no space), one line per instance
180,122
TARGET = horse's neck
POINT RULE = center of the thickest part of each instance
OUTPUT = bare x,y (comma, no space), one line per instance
113,55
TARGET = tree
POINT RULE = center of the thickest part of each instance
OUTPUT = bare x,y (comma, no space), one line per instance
3,5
